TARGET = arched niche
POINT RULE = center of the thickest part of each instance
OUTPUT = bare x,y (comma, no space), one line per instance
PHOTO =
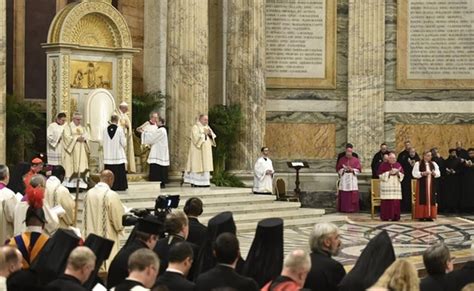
89,47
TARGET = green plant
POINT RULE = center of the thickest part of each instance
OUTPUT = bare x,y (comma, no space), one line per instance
225,121
226,179
23,123
145,103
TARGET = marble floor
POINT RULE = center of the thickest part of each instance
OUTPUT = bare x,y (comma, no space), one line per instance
409,238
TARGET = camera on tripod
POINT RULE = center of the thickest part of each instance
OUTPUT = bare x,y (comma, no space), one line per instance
163,205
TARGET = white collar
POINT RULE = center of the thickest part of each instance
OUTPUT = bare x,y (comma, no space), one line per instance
227,265
53,179
174,271
102,185
34,229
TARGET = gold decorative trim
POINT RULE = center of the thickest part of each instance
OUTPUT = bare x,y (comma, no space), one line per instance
54,87
65,102
66,25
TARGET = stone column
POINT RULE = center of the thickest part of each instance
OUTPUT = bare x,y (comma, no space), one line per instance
3,83
187,74
245,76
365,106
154,46
19,48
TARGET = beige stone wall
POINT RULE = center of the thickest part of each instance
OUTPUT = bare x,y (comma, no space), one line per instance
3,101
133,11
426,136
301,140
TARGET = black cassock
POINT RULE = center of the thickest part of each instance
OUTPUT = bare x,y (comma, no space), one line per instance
23,280
118,270
376,161
127,285
65,283
404,160
438,183
450,198
467,186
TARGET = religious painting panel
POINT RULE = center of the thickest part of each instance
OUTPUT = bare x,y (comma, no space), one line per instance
90,75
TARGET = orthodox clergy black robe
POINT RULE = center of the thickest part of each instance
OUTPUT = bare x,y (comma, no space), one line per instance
326,273
404,160
376,161
66,283
467,186
450,199
118,270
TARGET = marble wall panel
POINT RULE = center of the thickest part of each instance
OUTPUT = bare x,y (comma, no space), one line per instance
301,140
427,136
338,119
391,92
427,130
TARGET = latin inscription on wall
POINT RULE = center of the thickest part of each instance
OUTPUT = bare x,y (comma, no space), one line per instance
436,42
300,43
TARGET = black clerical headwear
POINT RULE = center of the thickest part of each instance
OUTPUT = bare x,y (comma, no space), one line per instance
52,260
265,258
222,222
150,224
101,247
377,256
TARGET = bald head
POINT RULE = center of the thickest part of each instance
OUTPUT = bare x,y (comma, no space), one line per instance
10,260
297,265
107,177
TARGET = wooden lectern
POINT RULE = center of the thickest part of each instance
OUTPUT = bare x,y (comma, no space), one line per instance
297,165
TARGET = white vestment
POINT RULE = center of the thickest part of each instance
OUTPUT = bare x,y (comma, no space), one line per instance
126,125
157,139
75,154
19,226
200,162
114,148
7,213
54,145
390,186
263,182
417,174
102,216
348,181
57,194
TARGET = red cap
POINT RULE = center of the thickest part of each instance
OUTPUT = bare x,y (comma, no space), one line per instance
37,161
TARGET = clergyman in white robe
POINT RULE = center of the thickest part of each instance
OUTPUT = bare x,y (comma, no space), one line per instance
263,174
54,146
115,159
126,125
7,207
58,195
102,214
159,157
76,151
200,162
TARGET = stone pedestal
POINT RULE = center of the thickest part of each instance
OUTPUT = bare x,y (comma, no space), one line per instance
3,84
245,76
154,47
365,108
187,74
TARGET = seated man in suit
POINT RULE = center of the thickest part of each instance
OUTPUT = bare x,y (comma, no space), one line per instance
179,263
222,276
177,227
143,266
438,262
197,231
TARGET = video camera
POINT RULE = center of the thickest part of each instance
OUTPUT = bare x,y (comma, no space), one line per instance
163,205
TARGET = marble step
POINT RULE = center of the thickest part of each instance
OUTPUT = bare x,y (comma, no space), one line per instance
285,214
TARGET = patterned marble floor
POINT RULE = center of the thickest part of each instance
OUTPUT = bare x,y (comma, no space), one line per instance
409,238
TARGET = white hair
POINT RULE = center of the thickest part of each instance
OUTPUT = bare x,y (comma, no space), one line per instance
319,233
76,114
297,261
